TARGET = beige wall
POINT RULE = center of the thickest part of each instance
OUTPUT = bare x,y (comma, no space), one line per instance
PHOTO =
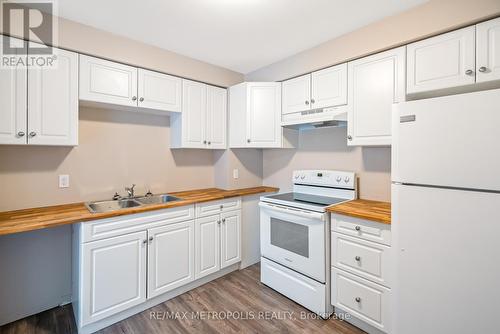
248,161
431,18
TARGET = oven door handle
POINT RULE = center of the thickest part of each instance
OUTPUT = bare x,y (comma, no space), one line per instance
297,212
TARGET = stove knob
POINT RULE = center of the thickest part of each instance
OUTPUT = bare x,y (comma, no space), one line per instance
338,179
302,177
296,177
346,179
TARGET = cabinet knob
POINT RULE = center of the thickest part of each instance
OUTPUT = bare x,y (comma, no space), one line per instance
209,142
248,140
151,238
482,69
21,134
312,101
307,103
357,228
221,206
218,222
223,220
469,72
357,299
141,99
145,241
357,258
349,137
134,98
204,142
32,134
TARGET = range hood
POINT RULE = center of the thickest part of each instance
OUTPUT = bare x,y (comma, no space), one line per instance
316,118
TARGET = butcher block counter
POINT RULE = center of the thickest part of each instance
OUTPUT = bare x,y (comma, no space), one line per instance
51,216
365,209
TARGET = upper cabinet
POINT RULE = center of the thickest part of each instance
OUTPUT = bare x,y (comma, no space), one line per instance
202,122
320,89
255,116
375,83
107,82
442,62
39,104
488,51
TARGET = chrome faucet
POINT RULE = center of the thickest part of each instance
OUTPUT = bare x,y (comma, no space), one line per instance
130,191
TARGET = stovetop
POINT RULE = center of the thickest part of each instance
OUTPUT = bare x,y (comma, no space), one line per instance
304,201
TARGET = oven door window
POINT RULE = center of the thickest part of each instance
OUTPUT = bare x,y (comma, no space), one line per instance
290,236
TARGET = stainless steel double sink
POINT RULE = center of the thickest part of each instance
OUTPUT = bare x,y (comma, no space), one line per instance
113,205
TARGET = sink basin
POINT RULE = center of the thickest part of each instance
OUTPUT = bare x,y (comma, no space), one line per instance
105,206
157,199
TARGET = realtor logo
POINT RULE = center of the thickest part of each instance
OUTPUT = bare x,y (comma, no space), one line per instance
31,21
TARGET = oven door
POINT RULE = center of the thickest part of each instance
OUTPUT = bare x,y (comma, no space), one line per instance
294,238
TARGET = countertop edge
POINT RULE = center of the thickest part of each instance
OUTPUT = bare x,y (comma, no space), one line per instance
376,211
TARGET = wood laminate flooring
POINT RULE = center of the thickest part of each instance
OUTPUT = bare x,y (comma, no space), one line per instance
234,297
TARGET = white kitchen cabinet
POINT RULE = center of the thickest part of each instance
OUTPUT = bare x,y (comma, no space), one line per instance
207,245
320,89
255,117
488,51
53,101
107,82
158,91
39,105
375,83
230,238
202,122
13,99
296,94
170,257
114,276
443,61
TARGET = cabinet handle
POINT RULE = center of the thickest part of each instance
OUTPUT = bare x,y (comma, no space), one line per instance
357,228
469,72
482,69
141,99
312,101
349,137
134,98
248,140
307,103
21,134
357,258
151,238
32,134
357,299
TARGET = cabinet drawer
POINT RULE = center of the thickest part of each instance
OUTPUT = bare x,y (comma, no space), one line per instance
364,258
105,228
363,229
365,300
216,207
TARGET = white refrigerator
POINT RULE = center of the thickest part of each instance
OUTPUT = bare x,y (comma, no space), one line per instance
446,214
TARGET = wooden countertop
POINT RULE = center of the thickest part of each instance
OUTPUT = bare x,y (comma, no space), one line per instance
51,216
365,209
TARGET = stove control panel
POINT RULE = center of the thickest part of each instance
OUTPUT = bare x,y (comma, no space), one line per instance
325,178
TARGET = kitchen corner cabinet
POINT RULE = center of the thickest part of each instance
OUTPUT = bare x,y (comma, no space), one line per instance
108,83
255,117
375,83
39,105
320,89
488,51
202,122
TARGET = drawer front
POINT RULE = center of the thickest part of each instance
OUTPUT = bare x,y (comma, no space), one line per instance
105,228
367,259
364,229
215,207
365,300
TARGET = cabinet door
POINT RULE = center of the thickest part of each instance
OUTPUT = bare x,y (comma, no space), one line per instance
207,256
13,97
159,91
488,51
230,238
107,82
170,257
263,115
329,87
216,117
53,101
194,112
297,94
113,275
441,62
375,83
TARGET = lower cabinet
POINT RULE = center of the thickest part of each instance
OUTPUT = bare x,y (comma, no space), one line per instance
218,242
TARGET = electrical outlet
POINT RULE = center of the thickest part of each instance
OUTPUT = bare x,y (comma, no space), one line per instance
235,174
64,181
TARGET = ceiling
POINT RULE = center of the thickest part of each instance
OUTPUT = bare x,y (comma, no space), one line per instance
241,35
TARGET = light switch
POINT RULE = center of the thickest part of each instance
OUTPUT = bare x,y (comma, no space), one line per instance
64,181
236,174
